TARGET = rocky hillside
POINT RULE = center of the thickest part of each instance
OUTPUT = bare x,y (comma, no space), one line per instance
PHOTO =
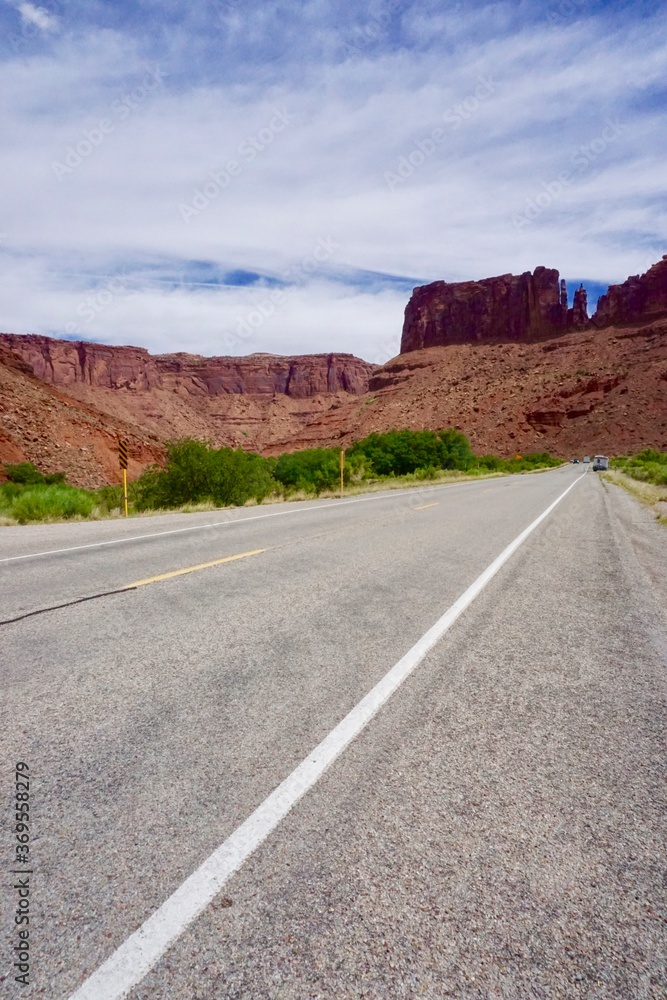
251,402
40,424
589,391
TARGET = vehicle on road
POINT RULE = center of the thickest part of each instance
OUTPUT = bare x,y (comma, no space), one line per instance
575,461
600,463
587,459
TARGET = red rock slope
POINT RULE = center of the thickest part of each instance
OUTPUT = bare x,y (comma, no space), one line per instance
588,391
40,424
252,402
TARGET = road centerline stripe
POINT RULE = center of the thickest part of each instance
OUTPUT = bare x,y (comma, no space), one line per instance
128,965
425,505
191,569
384,495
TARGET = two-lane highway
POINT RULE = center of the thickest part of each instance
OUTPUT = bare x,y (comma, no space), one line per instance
495,827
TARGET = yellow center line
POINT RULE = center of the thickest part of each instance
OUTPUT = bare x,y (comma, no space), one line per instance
192,569
427,505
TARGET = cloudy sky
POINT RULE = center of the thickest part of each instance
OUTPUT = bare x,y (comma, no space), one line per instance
231,176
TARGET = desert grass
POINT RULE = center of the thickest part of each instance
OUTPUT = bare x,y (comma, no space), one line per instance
648,494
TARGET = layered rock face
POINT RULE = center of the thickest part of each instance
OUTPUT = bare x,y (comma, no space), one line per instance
70,363
510,308
41,424
639,299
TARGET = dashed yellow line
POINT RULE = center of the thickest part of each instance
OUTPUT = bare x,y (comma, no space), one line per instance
192,569
424,506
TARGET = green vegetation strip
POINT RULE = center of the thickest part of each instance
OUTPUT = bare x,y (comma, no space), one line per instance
645,477
196,473
649,466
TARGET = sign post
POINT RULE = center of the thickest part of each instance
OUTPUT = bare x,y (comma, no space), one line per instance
342,467
122,461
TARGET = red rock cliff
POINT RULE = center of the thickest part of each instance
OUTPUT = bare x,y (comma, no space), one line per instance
508,308
65,363
641,298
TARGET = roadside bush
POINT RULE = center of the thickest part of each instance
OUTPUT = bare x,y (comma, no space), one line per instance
535,460
311,470
520,463
400,453
109,497
197,473
8,493
40,502
491,463
239,476
648,466
26,474
430,472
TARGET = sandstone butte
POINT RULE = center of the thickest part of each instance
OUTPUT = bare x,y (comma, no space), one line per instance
504,359
524,308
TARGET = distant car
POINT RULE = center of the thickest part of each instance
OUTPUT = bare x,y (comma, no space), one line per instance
587,459
575,461
600,463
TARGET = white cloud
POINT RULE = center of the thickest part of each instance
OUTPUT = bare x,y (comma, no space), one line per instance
136,150
38,17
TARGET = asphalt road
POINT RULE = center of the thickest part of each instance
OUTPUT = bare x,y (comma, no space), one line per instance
496,830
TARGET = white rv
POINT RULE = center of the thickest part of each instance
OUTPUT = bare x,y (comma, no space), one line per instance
600,463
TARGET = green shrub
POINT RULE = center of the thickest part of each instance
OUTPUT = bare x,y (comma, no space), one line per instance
491,463
430,472
37,503
520,463
648,466
26,474
9,491
400,453
111,497
311,470
196,473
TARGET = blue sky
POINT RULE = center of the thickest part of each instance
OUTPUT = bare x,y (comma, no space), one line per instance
236,176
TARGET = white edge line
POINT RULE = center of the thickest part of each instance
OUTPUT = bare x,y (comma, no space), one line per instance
128,965
224,524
